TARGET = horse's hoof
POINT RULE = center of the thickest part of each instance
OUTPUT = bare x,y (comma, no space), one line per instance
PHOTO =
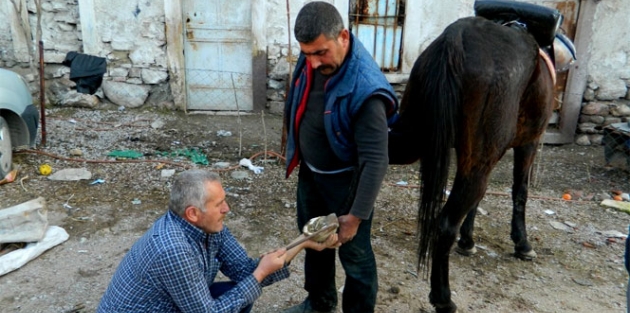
445,308
466,252
526,256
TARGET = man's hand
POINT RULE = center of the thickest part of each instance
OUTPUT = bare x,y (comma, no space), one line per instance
270,263
331,242
348,226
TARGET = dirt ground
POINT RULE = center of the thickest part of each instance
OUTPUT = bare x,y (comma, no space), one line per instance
579,267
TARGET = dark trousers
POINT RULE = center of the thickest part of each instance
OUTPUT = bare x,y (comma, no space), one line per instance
627,263
322,194
219,288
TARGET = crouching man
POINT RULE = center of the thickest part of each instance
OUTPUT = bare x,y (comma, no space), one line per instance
172,267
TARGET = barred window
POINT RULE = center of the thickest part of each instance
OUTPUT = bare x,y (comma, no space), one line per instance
378,24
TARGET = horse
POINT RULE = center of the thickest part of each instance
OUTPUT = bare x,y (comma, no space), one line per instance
480,88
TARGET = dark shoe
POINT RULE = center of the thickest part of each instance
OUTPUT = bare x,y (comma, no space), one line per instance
305,307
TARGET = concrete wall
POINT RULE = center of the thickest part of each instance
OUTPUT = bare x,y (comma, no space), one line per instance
609,66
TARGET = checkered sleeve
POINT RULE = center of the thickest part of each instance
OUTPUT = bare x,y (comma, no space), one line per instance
238,266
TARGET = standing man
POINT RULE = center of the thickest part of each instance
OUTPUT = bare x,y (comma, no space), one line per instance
173,266
336,115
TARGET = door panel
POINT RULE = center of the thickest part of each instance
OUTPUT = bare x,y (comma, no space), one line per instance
218,53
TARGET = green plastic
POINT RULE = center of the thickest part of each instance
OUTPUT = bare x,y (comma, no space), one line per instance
126,154
193,154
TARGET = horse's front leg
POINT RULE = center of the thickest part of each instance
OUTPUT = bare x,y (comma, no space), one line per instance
523,160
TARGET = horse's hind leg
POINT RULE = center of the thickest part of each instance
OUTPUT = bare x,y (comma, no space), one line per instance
466,243
466,193
523,160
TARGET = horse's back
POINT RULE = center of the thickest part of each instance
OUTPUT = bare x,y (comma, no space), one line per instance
493,55
498,66
467,89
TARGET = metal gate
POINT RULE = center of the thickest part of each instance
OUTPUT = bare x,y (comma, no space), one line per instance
218,54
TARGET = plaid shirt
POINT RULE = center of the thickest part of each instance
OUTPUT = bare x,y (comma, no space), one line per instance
171,268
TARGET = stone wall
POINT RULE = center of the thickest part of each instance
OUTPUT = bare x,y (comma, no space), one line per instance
599,111
131,39
606,98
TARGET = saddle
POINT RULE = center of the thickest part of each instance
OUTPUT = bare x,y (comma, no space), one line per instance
541,22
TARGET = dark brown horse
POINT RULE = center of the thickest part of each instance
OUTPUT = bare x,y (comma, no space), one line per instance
480,88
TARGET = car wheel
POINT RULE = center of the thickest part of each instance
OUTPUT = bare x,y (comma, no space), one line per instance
5,148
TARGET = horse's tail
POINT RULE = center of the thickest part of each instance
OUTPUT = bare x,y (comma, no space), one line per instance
438,72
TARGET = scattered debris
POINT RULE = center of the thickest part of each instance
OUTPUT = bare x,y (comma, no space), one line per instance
248,163
583,282
71,174
617,205
570,224
9,178
239,175
613,234
549,212
66,205
158,124
76,152
224,133
561,226
136,201
221,165
98,181
167,173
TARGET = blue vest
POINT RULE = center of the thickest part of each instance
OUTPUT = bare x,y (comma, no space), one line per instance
358,79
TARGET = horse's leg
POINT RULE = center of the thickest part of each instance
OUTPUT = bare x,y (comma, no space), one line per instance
523,160
466,193
466,243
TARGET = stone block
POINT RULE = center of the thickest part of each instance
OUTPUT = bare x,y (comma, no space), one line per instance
26,222
595,108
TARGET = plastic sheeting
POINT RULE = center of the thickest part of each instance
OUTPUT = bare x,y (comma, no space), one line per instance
16,259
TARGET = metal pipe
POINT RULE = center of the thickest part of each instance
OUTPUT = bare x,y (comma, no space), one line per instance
42,92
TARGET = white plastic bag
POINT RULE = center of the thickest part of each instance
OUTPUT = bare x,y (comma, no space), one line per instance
16,259
247,163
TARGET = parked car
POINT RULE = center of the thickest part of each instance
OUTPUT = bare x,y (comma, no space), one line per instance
19,118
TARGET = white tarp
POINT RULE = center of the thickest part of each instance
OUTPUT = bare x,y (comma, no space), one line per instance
16,259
